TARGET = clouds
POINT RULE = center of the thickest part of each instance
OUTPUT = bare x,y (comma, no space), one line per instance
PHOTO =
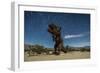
75,35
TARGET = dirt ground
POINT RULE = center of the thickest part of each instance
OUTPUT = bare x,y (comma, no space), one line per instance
62,56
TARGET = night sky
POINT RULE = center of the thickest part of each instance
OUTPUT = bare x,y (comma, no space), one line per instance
75,28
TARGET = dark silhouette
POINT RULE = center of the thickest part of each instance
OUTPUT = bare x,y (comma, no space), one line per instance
56,35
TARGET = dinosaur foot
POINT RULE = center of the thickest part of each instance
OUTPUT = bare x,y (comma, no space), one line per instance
56,53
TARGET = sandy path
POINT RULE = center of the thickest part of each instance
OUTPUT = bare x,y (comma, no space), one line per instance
70,55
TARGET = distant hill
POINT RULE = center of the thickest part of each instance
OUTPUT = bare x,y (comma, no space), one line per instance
68,48
86,46
28,46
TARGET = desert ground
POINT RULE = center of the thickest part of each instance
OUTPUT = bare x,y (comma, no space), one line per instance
62,56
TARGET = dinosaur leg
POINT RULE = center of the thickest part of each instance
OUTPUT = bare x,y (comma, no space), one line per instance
63,49
57,52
